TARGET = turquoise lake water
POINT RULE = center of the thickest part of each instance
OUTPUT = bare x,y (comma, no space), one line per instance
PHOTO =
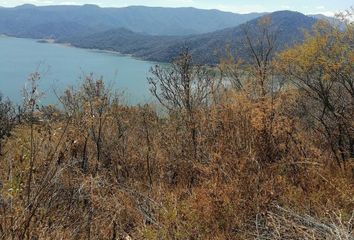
63,66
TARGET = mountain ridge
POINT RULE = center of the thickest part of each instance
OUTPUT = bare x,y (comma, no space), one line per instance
150,33
150,20
206,48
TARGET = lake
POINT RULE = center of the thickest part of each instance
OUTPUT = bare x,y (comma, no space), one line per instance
62,66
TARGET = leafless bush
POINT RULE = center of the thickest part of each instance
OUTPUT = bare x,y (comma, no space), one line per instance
7,118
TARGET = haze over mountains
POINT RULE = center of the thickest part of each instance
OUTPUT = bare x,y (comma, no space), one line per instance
206,48
31,21
150,33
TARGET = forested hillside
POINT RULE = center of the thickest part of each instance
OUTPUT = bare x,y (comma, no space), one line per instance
256,149
155,34
206,48
36,22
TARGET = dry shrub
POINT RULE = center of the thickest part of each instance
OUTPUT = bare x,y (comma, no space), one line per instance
243,163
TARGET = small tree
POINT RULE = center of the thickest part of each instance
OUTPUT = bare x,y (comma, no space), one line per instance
254,80
322,68
88,108
184,88
261,44
182,85
251,68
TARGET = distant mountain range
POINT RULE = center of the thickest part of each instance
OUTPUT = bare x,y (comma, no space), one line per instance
206,48
155,34
64,21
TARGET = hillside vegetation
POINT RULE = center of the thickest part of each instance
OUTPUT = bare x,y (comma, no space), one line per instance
260,149
205,48
66,21
151,33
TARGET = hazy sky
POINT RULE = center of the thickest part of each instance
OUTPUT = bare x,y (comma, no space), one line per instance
327,7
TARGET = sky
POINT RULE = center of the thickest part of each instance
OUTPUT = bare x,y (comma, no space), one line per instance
327,7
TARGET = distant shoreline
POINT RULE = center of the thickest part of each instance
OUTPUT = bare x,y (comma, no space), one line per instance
53,41
113,52
104,51
49,40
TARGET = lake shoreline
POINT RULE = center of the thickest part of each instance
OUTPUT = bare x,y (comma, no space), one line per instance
62,66
113,52
53,41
